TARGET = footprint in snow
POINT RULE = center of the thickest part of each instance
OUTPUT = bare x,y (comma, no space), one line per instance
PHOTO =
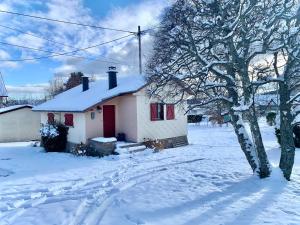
136,221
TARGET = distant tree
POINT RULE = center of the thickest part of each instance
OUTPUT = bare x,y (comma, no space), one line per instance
56,86
74,80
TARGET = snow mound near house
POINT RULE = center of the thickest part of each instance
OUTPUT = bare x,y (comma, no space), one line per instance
75,100
104,140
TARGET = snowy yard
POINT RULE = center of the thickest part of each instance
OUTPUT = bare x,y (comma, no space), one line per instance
208,182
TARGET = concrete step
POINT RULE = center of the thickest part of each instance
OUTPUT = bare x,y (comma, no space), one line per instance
129,145
134,149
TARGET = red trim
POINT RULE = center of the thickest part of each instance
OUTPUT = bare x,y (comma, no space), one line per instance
69,120
170,112
50,118
153,111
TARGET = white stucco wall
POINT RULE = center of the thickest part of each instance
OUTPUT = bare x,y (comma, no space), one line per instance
19,125
132,118
77,134
162,129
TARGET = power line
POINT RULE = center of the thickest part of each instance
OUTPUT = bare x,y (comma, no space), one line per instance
42,38
76,56
61,54
66,22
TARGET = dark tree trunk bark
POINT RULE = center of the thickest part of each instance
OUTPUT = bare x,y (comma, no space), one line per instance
286,132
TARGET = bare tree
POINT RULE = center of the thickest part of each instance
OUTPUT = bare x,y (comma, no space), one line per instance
209,46
56,86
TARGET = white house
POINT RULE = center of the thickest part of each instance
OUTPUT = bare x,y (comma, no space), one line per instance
19,123
106,109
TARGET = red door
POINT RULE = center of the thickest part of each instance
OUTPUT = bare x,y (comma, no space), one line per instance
109,121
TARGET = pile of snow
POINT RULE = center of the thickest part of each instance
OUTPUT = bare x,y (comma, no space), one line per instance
104,140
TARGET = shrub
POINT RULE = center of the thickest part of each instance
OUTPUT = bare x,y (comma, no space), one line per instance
194,118
296,132
54,137
271,117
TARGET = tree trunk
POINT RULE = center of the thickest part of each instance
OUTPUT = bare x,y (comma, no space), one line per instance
264,165
286,132
244,141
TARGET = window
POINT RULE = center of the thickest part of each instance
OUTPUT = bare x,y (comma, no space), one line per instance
50,118
92,115
157,111
170,112
69,120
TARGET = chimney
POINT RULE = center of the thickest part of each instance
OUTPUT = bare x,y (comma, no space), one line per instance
85,83
112,77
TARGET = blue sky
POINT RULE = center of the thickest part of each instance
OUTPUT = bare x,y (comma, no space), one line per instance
31,77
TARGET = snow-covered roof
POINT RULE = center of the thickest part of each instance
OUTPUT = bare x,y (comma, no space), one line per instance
3,91
13,108
75,100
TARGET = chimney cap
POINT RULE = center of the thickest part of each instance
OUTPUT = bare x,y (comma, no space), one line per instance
112,69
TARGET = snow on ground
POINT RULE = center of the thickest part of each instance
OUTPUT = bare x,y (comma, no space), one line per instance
207,182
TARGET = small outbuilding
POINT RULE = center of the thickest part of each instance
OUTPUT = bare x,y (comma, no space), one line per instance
19,123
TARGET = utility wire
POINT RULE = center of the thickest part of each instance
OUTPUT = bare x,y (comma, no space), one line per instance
47,39
60,54
41,50
66,22
76,56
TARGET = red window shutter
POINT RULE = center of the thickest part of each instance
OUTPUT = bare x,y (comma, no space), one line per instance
69,120
50,118
153,111
170,112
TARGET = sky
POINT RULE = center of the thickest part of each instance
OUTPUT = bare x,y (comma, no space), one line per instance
30,78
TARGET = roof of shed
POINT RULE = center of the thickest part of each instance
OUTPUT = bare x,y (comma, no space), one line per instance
75,100
13,108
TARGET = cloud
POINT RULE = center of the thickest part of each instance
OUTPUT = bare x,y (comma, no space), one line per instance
94,61
27,90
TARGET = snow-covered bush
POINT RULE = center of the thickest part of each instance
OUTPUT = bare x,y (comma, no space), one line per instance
49,130
54,137
80,149
271,117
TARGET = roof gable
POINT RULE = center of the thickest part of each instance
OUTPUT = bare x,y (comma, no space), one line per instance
75,100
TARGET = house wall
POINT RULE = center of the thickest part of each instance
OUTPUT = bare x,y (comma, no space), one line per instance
19,125
77,134
163,129
126,118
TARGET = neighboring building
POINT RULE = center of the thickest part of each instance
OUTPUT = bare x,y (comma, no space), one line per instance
19,123
101,109
266,102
